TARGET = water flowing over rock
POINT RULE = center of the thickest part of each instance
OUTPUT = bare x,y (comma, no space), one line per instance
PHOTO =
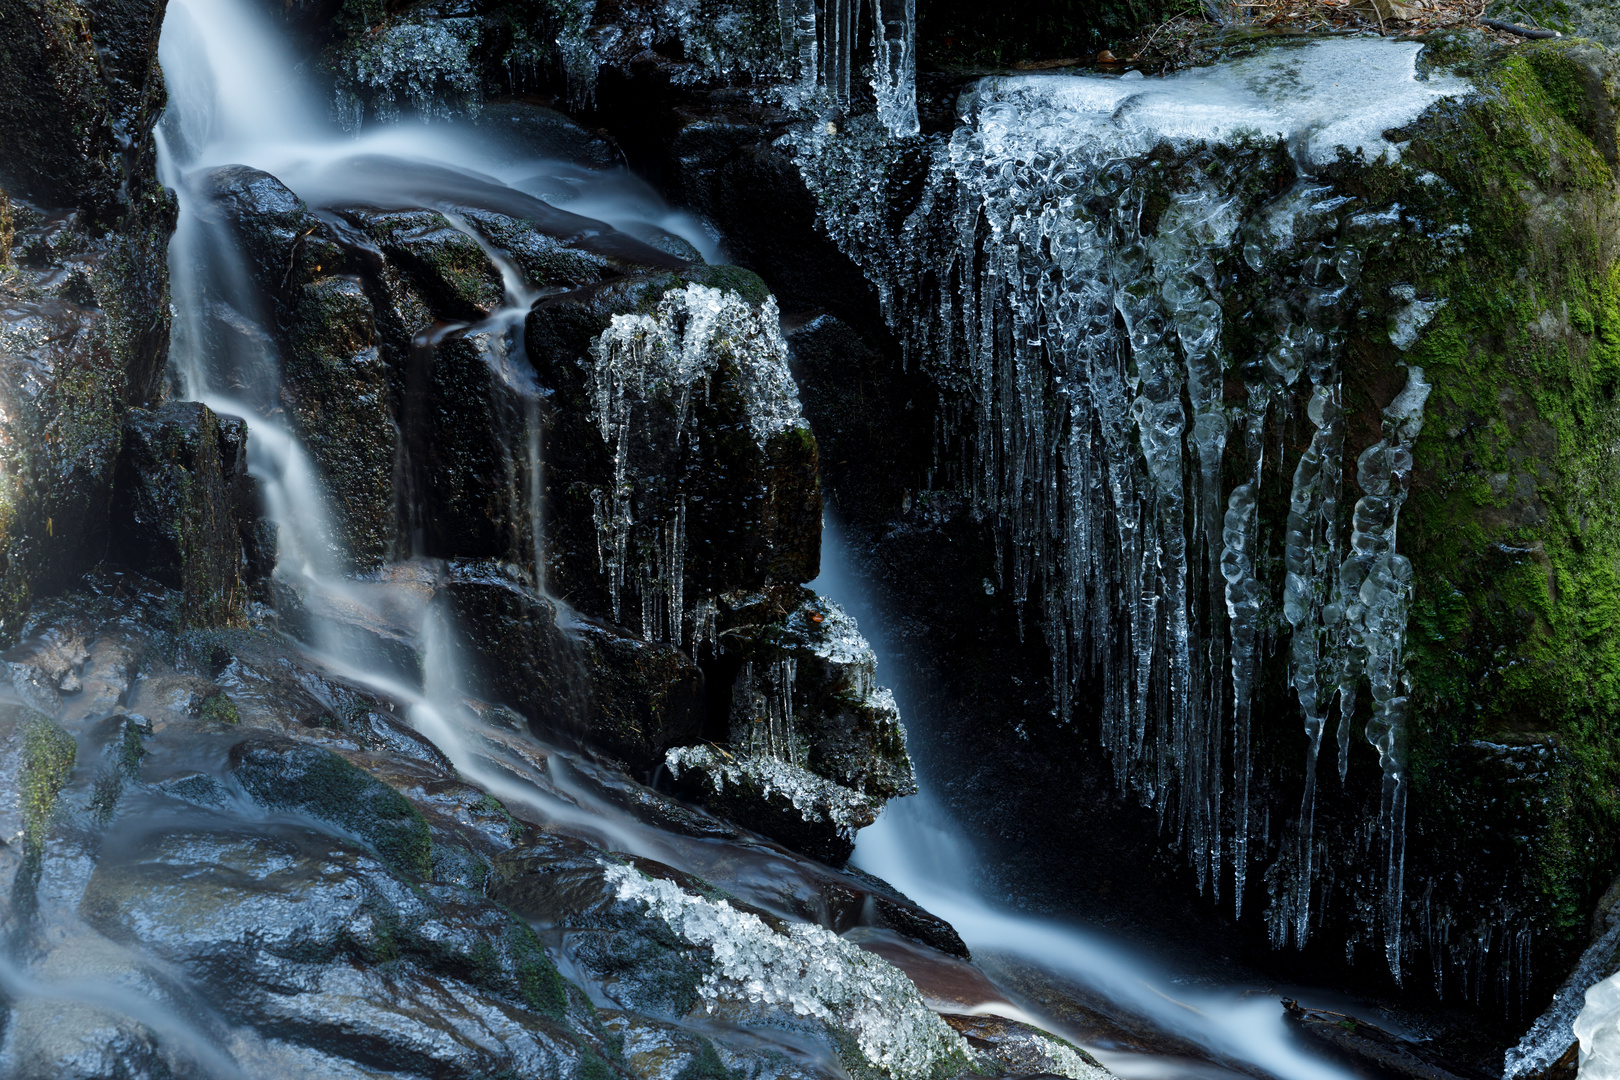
412,661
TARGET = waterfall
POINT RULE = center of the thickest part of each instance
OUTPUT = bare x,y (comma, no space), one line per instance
1068,270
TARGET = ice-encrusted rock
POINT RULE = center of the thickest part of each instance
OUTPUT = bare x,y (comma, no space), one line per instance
815,747
1597,1027
810,972
698,345
1551,1037
680,345
777,797
425,66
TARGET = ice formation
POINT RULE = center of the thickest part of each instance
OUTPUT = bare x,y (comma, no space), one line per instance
809,970
809,49
1550,1036
642,364
428,65
1069,287
814,798
1598,1029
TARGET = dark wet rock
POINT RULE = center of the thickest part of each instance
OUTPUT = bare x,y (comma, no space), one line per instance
863,408
301,936
441,265
530,131
282,774
184,509
83,84
1368,1044
1022,1050
321,322
64,391
646,697
785,801
627,697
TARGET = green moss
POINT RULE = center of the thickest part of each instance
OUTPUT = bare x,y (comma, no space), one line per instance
7,230
315,781
48,756
1513,523
746,283
220,709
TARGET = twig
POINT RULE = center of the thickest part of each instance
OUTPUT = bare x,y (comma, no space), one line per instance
1522,31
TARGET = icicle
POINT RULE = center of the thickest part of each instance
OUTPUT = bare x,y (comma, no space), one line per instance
894,64
1376,584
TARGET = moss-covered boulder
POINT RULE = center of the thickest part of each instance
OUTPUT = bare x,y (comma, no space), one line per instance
184,508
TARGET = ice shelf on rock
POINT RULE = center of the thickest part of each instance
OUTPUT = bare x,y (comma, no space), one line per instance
671,357
814,798
1551,1035
1598,1028
810,972
1323,97
1086,342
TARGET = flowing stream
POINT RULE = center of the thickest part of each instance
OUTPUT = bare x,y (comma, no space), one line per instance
236,100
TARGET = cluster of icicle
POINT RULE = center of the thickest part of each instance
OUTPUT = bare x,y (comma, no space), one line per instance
1092,358
425,65
669,359
819,37
814,62
809,970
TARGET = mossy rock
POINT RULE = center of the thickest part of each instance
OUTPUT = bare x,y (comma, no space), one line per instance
286,775
184,509
49,753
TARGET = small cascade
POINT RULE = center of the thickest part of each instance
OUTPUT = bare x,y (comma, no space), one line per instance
1068,268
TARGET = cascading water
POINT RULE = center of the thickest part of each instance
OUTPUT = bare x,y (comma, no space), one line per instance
1066,269
233,104
916,846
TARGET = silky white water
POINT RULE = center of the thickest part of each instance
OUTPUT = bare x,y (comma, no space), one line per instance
917,848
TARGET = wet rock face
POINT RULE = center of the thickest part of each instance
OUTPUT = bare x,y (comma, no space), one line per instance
86,92
184,509
64,390
230,860
335,383
83,83
676,467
